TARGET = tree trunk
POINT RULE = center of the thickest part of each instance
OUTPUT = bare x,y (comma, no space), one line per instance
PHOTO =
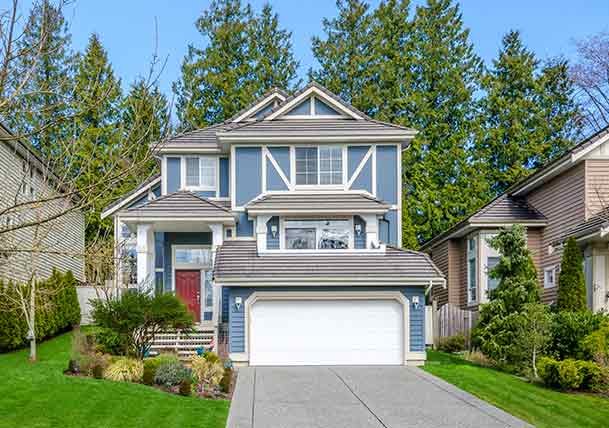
33,321
535,363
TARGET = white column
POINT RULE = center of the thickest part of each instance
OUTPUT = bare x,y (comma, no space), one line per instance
145,256
217,230
372,230
261,232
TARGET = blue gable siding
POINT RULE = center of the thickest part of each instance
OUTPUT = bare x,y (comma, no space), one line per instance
282,157
224,177
387,174
157,190
173,174
355,154
248,177
273,180
206,194
388,228
180,238
236,320
302,109
364,179
272,243
245,227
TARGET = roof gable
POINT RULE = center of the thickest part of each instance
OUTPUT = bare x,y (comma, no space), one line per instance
261,106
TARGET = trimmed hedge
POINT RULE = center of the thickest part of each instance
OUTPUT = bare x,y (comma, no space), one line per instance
57,310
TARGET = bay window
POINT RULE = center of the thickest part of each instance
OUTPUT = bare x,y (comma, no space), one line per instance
200,173
317,234
321,165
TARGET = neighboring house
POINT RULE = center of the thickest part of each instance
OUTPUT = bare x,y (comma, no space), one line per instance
282,227
565,198
57,244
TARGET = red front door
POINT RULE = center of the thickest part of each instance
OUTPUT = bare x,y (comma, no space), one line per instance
188,289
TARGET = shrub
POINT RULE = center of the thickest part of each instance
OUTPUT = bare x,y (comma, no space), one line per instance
109,342
478,358
57,310
148,375
548,369
532,335
171,374
596,344
569,374
185,387
73,366
568,330
137,316
207,372
125,370
571,282
98,371
451,344
594,377
227,380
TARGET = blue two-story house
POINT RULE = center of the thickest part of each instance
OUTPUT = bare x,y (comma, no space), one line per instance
281,228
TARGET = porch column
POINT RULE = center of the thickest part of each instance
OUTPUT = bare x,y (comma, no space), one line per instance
145,256
261,231
372,230
217,230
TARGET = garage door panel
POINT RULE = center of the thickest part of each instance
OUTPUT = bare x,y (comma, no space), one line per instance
326,332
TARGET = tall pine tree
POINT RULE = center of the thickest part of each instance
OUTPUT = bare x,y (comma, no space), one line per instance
345,54
529,116
245,56
45,63
97,132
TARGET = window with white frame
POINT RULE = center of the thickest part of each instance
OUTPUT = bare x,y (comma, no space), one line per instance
317,234
549,277
200,173
192,257
472,271
491,283
319,165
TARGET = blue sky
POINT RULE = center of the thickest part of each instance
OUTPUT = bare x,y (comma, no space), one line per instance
126,27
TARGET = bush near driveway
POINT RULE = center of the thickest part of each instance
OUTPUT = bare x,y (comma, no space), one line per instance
57,310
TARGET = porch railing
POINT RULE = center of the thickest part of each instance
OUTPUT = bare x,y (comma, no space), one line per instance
185,343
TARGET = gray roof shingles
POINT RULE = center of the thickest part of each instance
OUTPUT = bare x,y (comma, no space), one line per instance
588,227
324,202
240,259
508,208
181,204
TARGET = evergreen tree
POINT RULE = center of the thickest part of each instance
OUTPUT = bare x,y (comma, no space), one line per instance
41,108
442,181
345,54
145,120
245,56
97,131
528,113
501,320
571,282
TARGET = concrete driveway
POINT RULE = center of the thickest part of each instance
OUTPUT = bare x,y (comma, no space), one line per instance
356,397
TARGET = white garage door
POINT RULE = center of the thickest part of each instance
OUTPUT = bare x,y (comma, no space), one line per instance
326,332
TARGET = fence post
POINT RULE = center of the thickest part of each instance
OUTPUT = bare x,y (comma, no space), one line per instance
435,323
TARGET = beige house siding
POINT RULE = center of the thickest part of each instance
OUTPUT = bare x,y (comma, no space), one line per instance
59,243
597,185
563,201
534,243
439,255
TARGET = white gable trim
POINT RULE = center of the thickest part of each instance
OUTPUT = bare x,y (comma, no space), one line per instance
268,155
313,91
259,106
131,198
359,168
588,151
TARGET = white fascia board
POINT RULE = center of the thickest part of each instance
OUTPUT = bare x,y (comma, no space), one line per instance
168,150
325,281
136,218
256,138
319,94
553,171
131,198
259,106
577,156
350,211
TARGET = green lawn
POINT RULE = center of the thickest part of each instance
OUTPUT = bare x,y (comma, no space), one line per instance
40,395
540,406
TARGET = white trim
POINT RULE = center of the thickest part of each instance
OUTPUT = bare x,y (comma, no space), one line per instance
374,170
328,295
338,187
259,106
400,190
577,156
320,210
257,139
163,175
263,169
359,168
554,271
316,92
267,153
273,281
199,188
232,179
135,218
171,150
130,198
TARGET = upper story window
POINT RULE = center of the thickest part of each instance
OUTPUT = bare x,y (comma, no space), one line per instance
200,173
319,165
472,271
317,234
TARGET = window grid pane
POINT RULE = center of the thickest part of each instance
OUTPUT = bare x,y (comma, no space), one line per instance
306,165
208,172
192,171
331,165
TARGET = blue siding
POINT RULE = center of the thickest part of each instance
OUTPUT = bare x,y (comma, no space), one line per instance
173,174
248,165
387,174
179,238
140,201
364,179
360,240
207,316
224,177
206,194
302,109
355,154
391,237
157,190
273,179
272,243
324,109
282,157
224,304
245,227
237,319
159,249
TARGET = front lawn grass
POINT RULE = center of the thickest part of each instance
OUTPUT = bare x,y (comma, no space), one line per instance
540,406
40,395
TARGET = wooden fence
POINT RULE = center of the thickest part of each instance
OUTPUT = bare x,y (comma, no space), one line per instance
450,320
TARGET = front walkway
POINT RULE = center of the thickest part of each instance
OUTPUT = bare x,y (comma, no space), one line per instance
356,397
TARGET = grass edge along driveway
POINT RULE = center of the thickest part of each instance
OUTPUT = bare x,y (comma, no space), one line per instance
39,395
539,406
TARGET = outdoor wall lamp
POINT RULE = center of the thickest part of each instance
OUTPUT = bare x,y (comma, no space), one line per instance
238,303
274,230
358,229
415,302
